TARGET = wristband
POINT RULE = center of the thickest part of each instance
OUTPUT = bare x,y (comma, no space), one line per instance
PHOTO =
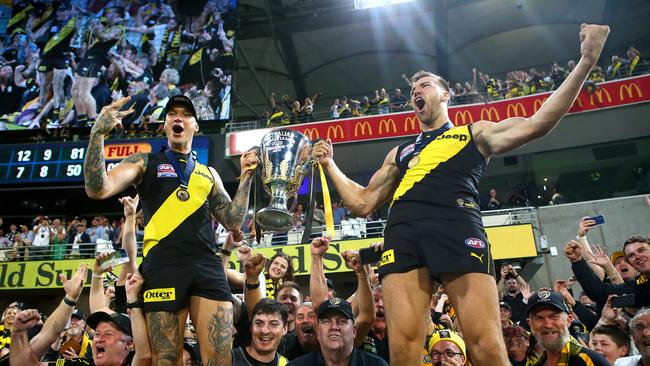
99,277
69,302
134,305
253,286
226,252
578,237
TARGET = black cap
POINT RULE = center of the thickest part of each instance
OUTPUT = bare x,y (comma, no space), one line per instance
78,314
336,304
504,304
180,100
545,297
122,321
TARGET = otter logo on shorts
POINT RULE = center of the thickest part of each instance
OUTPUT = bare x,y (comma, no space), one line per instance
387,257
475,243
160,294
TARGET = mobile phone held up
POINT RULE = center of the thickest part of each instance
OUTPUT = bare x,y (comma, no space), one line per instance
599,219
623,301
369,256
115,259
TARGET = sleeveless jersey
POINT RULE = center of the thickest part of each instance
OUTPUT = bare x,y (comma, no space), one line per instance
176,231
443,183
99,49
60,34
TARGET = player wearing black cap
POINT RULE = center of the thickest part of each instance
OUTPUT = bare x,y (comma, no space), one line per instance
178,196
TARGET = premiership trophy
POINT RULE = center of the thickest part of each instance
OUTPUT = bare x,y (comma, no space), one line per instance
285,156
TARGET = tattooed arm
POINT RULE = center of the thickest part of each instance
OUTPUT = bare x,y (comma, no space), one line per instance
231,213
98,183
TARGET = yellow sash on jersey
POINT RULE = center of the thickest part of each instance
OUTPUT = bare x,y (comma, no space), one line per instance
173,211
436,152
22,15
196,57
63,34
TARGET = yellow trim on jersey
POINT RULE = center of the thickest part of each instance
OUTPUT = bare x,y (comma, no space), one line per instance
67,29
445,147
173,212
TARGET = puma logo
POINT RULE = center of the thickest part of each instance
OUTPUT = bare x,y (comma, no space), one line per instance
480,258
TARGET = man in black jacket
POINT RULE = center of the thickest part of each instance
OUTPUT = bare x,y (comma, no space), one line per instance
637,251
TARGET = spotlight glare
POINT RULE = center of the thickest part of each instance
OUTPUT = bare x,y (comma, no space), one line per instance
367,4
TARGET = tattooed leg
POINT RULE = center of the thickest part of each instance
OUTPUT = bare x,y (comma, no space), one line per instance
45,80
58,84
213,322
166,337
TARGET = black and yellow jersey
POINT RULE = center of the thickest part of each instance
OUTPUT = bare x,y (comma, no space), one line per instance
439,182
59,36
99,49
176,231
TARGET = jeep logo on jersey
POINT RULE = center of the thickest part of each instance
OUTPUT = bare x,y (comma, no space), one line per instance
458,137
166,171
160,294
475,243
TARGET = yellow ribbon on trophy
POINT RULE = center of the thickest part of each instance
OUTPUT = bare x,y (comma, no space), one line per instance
327,204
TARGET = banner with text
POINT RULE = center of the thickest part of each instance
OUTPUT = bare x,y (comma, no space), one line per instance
511,241
609,94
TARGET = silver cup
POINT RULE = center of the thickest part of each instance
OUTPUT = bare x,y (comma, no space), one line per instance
285,156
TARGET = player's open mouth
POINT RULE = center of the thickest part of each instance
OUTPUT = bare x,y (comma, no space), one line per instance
419,103
178,129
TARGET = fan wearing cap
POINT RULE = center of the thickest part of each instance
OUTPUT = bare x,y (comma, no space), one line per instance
113,339
336,333
549,319
447,348
506,313
178,196
75,344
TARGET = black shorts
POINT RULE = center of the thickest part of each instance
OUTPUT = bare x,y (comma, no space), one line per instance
169,288
442,246
50,63
91,66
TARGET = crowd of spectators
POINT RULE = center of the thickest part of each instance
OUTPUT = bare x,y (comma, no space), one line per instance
482,89
62,61
606,323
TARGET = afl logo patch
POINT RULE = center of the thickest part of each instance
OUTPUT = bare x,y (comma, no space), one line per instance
407,150
166,171
475,243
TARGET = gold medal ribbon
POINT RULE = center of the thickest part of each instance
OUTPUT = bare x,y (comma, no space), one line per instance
327,203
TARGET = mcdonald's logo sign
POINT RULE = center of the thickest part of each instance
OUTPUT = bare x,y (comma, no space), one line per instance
628,91
410,121
333,131
387,124
464,116
362,125
514,110
311,133
486,114
537,104
599,94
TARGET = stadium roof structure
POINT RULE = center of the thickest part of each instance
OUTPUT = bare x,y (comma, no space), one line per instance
296,47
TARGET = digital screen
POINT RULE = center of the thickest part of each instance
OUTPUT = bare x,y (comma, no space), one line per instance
159,49
63,162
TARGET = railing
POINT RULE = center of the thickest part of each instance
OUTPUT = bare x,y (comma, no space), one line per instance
353,228
462,99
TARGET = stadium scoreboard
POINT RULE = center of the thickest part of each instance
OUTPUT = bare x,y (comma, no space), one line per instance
63,162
